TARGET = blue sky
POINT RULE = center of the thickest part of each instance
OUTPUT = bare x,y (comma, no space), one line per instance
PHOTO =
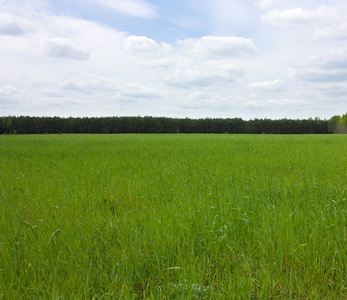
249,59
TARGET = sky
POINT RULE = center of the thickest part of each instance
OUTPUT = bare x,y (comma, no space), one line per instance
176,58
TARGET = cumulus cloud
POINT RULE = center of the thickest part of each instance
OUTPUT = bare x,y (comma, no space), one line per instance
324,68
141,45
334,60
57,101
265,4
199,95
273,103
333,90
10,25
218,46
284,101
88,83
198,62
205,74
135,8
210,71
266,85
201,99
337,32
134,90
63,48
294,16
325,23
298,16
8,97
321,75
7,90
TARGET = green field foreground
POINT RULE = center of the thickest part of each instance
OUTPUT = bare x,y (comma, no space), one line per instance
173,216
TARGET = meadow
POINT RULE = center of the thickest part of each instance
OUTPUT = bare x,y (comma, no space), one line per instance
173,216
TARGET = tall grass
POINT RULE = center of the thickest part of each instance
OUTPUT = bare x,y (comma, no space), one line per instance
173,216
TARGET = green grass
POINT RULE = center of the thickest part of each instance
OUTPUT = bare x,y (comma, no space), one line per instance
173,216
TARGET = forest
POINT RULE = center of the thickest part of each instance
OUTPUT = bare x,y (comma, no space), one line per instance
148,124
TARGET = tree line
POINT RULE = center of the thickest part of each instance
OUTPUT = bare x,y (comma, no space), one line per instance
338,124
147,124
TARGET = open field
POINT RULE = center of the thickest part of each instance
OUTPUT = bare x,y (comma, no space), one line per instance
173,216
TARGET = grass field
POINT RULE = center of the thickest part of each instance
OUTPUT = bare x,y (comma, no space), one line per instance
173,216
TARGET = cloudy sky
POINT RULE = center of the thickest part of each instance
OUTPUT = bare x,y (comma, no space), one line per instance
176,58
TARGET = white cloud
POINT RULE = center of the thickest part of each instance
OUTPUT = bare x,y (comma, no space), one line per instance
321,75
333,90
11,25
7,90
273,103
266,85
52,101
135,8
324,68
198,95
204,100
284,102
9,97
63,65
265,4
141,45
298,16
87,83
134,90
322,24
198,62
204,74
337,32
334,60
63,48
335,27
295,16
218,47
